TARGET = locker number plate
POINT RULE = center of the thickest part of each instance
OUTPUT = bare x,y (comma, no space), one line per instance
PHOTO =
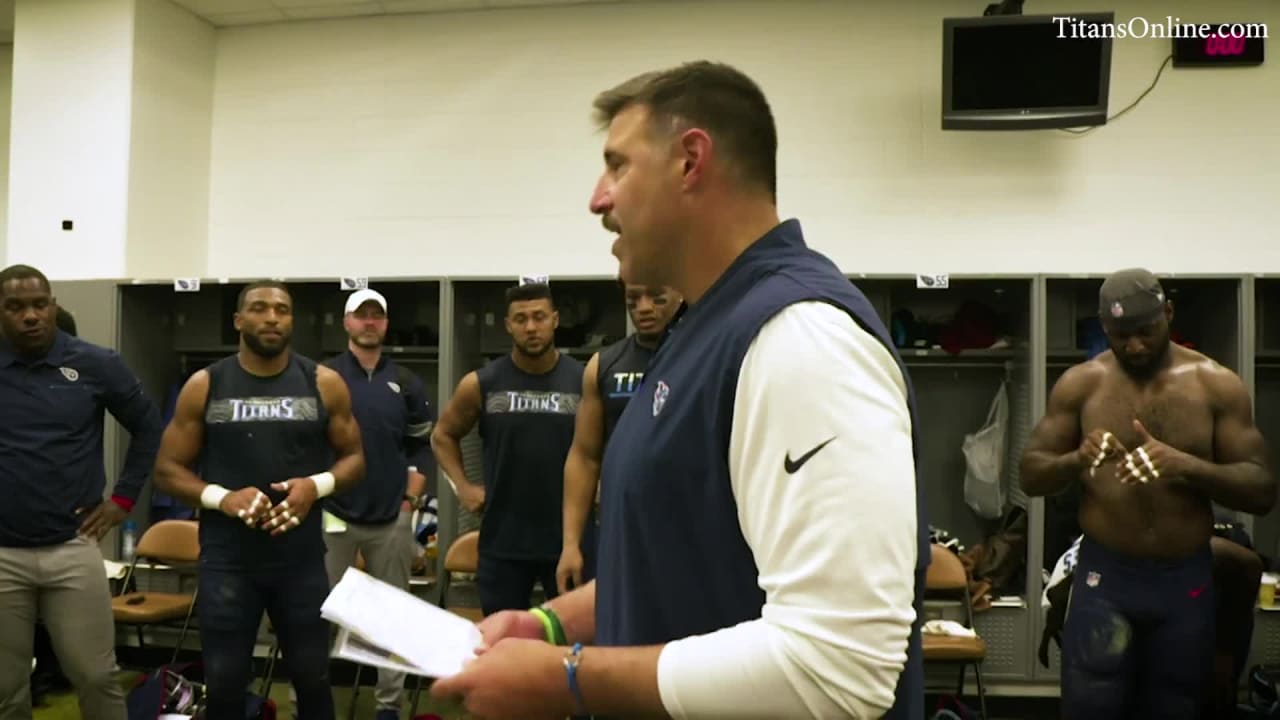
353,283
186,285
933,281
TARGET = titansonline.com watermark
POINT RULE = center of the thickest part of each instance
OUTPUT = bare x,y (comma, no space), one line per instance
1170,27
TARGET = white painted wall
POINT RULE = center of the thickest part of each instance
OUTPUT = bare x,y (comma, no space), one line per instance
6,88
69,136
461,144
172,100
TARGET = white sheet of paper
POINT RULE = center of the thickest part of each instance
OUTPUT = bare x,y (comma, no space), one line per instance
434,641
350,646
333,523
114,570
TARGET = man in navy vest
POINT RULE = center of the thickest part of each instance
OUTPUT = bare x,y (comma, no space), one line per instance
763,543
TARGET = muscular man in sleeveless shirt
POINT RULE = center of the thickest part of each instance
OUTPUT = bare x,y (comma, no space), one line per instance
612,376
525,403
262,428
1155,433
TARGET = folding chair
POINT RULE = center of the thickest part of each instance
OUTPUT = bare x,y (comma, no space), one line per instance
463,557
947,578
169,542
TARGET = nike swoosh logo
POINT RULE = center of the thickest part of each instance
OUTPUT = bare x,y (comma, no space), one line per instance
791,466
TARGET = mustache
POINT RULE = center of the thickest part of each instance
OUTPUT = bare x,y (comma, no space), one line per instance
610,224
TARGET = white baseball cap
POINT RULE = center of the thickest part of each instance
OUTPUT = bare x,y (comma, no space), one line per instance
360,297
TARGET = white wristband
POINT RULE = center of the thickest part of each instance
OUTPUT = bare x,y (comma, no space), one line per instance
324,483
212,495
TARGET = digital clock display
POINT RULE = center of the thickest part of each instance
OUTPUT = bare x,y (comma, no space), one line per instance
1216,48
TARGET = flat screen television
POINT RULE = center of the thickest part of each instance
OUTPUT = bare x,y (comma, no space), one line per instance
1025,72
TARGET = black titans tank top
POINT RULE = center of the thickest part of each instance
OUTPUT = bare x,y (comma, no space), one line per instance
259,431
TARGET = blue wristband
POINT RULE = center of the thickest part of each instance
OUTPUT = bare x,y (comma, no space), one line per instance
571,661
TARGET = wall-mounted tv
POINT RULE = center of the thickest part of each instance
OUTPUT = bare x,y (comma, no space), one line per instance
1025,72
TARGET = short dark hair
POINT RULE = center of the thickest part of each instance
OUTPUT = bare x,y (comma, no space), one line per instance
258,285
23,272
529,291
716,97
65,321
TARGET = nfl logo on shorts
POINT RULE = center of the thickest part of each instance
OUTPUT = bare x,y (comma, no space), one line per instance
660,397
1092,579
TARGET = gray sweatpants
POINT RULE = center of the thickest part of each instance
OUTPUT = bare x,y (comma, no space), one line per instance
66,586
388,555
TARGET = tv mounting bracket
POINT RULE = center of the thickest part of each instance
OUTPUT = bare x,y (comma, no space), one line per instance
1004,7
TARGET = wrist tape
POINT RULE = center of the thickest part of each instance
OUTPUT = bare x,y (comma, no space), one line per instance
212,495
324,483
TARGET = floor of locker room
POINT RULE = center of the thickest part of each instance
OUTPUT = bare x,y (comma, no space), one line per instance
62,705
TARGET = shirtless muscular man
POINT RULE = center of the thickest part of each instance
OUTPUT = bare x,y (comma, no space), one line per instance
1155,433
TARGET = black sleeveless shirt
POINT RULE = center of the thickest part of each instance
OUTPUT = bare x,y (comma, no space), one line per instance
258,431
619,372
527,429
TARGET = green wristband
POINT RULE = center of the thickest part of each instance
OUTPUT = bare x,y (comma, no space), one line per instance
551,622
546,624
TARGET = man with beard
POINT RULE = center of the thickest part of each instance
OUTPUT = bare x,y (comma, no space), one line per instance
525,404
1155,433
612,376
763,546
375,518
55,390
264,426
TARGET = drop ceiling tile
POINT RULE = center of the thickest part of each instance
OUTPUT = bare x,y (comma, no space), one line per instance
205,8
347,9
531,3
409,6
246,18
290,5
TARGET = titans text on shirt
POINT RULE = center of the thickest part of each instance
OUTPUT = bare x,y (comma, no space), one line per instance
526,429
619,374
51,427
260,430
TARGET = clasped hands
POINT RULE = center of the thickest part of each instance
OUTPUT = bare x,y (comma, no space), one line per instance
252,506
1149,461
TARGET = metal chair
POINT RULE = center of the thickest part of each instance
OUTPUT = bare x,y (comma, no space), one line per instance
169,542
463,557
947,578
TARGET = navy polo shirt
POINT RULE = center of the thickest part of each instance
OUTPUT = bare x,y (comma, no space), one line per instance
51,461
390,406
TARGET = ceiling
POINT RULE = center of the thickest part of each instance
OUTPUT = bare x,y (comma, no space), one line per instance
224,13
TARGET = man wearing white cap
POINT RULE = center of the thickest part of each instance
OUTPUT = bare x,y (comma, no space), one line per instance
375,518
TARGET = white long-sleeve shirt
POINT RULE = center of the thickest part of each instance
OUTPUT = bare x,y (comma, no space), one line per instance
835,541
